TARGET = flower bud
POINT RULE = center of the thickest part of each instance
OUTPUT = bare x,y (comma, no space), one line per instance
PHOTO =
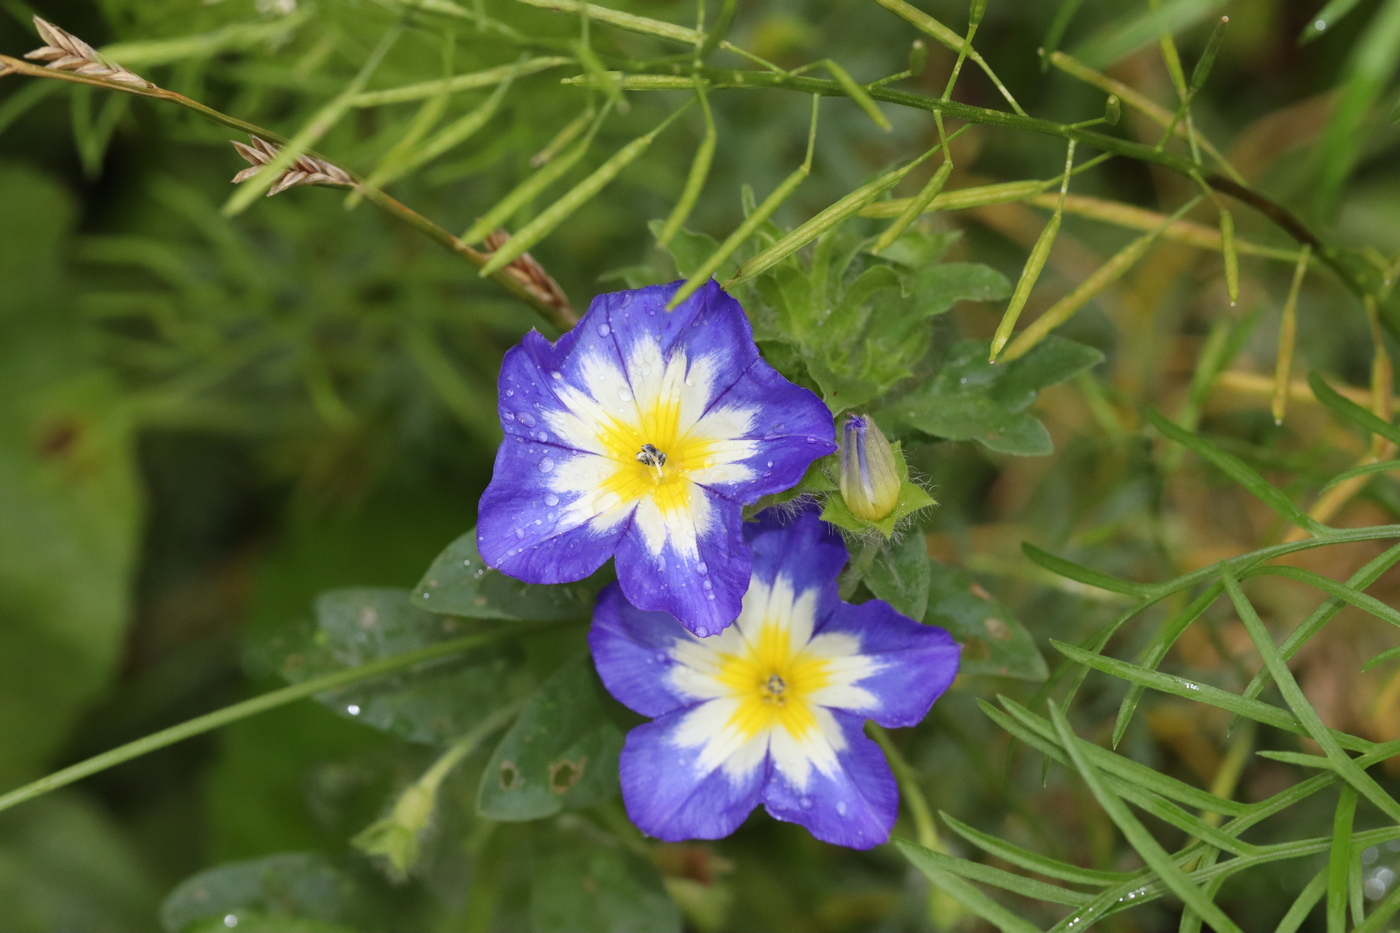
869,481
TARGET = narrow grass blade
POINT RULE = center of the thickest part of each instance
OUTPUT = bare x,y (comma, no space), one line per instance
202,45
1231,258
307,136
1063,16
1030,274
999,878
1240,472
1120,39
567,134
1287,337
752,222
530,188
1151,851
1303,904
1082,574
1370,67
1386,656
1098,280
1330,740
932,865
1368,574
1339,861
1332,588
1031,861
914,207
859,95
964,198
1192,690
629,21
719,29
1162,643
826,219
465,82
423,121
1366,469
455,133
1135,777
1201,73
699,174
544,223
1326,18
1352,411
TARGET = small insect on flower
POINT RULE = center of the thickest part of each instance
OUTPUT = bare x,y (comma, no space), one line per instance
642,433
771,710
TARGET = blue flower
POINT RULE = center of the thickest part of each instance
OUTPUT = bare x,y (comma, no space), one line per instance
771,710
642,433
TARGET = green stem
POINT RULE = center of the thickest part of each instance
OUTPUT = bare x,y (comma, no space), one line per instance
260,704
925,830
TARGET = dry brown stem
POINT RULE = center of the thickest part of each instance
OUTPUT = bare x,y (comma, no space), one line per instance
530,274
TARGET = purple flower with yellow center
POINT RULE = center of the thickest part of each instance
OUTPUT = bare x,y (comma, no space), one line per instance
771,710
642,433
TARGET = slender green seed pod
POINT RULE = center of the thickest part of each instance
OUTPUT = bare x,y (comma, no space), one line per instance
918,57
869,481
1112,110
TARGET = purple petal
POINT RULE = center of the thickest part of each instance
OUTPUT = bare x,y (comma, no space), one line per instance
669,794
915,663
632,651
855,806
799,546
704,589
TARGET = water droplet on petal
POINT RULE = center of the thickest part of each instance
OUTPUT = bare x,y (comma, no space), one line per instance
527,419
702,568
662,657
811,439
841,807
624,394
519,534
770,464
551,500
546,465
806,803
604,330
557,376
542,436
507,416
510,393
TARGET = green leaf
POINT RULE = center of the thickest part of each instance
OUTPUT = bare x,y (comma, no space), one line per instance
290,891
994,641
972,399
561,752
1032,861
459,583
690,250
434,703
901,576
603,889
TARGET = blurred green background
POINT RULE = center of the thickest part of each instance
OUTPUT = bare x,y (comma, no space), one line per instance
207,421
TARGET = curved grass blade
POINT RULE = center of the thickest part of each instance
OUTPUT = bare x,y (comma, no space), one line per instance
1082,574
629,21
1151,851
1231,258
1102,277
756,218
1288,336
544,223
933,867
829,217
1390,654
1326,18
1332,588
1120,39
1241,473
1134,777
1352,411
1000,878
699,173
1368,574
1257,710
1330,740
1366,469
859,95
320,124
1040,864
465,82
1339,862
1162,643
528,189
1303,904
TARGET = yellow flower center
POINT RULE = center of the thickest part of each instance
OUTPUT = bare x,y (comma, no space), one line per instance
653,457
773,681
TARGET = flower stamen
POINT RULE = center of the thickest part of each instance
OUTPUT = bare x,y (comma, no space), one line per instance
773,689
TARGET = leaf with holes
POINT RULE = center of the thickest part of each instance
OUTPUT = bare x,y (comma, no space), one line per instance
994,642
459,583
561,752
433,703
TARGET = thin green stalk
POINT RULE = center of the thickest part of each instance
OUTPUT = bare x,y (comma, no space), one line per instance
925,830
699,173
260,704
